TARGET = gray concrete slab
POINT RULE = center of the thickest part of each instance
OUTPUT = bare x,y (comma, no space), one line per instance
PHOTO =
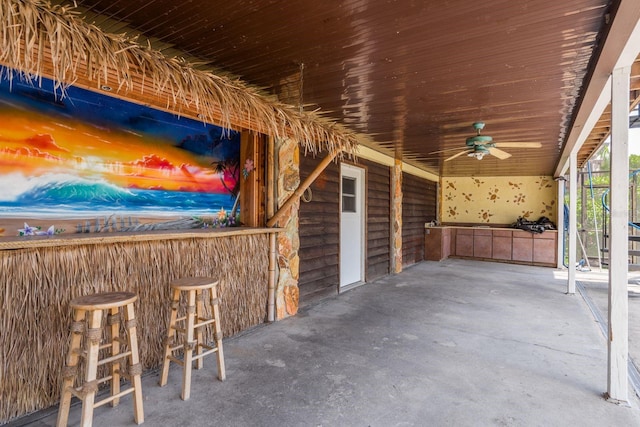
456,343
596,286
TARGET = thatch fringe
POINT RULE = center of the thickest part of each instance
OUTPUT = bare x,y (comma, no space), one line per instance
36,36
38,284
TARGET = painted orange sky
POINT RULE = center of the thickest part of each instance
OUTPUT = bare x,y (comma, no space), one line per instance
34,144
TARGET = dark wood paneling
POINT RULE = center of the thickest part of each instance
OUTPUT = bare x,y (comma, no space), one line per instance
320,228
319,232
378,219
418,207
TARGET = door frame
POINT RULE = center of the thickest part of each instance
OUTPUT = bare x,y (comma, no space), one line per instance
362,207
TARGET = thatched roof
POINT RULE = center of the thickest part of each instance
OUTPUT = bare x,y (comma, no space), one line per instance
44,40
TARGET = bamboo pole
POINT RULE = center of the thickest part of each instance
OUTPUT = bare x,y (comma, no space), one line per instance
270,167
302,187
271,296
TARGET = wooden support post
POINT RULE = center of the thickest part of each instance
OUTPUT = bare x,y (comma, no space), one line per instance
271,203
560,221
249,186
573,217
271,296
618,342
271,173
302,187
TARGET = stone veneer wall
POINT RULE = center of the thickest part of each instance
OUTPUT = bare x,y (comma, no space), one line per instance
287,291
396,219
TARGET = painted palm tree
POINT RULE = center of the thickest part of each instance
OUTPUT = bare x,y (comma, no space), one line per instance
229,169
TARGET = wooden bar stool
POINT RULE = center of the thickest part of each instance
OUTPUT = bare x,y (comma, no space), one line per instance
87,322
194,320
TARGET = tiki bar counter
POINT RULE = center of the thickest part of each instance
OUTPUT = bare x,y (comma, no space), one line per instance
99,126
41,276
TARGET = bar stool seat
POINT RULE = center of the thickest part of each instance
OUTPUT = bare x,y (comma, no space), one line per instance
189,336
86,339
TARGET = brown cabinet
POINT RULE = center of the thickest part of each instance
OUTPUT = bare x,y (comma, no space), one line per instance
544,248
522,246
464,242
499,244
482,243
502,241
437,243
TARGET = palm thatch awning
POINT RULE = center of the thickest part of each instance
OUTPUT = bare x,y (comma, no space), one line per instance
38,39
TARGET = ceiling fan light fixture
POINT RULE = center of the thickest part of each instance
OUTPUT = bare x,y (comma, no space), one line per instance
479,151
477,154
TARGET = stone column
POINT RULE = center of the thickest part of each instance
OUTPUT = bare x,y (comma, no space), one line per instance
396,217
287,292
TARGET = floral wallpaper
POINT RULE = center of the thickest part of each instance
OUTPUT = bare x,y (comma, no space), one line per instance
497,200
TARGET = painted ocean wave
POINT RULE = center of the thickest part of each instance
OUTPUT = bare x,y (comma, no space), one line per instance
59,195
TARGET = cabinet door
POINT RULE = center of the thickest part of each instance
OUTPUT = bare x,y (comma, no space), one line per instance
464,242
482,243
502,244
433,244
522,246
544,248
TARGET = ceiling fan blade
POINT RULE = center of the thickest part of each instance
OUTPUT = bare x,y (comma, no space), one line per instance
518,144
457,155
498,153
448,149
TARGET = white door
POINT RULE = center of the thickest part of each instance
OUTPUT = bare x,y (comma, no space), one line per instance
351,225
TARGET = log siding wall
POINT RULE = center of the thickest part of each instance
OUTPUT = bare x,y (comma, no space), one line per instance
320,225
418,206
319,231
378,220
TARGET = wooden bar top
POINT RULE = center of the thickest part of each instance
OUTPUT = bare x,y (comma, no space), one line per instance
16,242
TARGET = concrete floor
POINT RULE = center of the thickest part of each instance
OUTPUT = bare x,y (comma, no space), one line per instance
596,286
456,343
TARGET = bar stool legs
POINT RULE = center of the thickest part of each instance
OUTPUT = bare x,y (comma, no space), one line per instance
217,334
70,369
89,310
135,368
192,335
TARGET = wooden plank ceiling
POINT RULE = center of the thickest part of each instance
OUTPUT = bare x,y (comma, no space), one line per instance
602,129
413,75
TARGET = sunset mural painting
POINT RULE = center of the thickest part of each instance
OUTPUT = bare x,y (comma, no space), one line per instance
82,154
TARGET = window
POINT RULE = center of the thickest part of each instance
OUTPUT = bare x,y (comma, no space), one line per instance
348,194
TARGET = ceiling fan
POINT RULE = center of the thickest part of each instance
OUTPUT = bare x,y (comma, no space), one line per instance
479,146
